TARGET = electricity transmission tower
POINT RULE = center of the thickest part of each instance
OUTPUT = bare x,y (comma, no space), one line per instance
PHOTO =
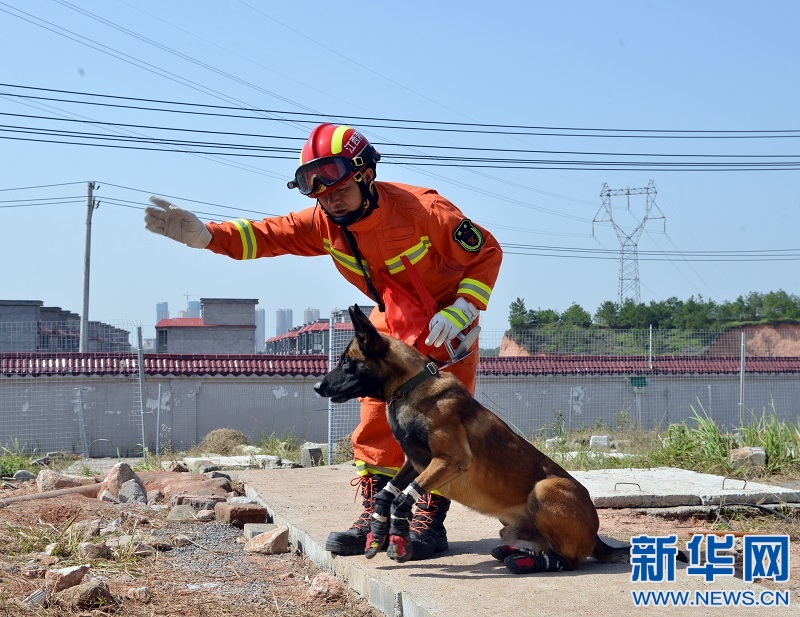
628,252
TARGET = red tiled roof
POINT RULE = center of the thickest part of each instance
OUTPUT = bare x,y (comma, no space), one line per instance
305,365
159,364
637,365
181,322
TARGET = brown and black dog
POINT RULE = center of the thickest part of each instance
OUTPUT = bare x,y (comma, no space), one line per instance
455,445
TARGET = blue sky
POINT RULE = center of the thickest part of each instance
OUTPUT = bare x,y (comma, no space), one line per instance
629,66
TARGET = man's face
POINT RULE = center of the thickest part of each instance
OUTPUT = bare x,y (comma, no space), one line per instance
345,198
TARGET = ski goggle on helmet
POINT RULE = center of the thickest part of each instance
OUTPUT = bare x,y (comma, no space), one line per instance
332,155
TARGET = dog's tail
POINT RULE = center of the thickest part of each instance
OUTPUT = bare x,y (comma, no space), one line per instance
605,553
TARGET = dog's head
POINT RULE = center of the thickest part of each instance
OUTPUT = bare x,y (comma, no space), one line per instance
362,367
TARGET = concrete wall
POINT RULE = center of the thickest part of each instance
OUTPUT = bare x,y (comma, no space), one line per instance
229,312
102,414
208,339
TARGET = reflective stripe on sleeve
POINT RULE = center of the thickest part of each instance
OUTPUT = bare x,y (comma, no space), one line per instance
476,289
248,238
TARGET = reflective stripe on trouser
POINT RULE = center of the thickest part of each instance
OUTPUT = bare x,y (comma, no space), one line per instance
374,447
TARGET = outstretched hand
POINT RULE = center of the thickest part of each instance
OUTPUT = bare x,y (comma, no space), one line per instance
176,223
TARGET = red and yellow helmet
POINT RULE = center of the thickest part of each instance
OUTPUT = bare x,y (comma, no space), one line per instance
332,155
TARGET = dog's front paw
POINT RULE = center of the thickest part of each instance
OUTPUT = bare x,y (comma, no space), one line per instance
400,548
374,544
503,551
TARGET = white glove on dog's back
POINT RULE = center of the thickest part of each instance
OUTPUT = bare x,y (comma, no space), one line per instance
448,322
176,223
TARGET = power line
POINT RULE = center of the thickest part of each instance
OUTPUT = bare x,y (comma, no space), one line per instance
316,117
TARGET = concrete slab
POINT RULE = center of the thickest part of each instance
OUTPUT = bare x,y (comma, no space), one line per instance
465,579
669,487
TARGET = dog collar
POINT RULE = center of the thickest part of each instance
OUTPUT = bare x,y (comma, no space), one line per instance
429,371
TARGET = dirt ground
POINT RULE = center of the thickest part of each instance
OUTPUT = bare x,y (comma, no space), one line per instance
211,576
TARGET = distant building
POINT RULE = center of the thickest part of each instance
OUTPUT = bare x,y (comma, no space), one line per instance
310,315
29,326
162,311
261,330
227,326
283,321
193,309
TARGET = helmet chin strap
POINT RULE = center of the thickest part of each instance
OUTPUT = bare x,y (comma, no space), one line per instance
368,203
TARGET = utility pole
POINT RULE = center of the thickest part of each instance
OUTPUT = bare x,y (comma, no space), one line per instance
628,255
91,205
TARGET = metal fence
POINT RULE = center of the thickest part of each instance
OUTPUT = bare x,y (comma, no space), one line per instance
68,411
540,382
546,381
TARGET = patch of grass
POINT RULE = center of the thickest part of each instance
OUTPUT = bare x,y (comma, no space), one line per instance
780,440
13,457
698,444
286,446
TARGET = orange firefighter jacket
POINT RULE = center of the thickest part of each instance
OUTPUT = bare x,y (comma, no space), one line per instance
412,226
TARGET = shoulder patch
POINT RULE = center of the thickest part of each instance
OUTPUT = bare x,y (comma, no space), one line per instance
468,236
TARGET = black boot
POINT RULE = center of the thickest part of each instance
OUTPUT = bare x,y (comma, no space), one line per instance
428,535
354,540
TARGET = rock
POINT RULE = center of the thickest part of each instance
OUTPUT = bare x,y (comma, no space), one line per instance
202,466
119,475
182,514
93,594
56,580
173,484
311,456
238,514
134,519
133,491
23,475
52,549
251,530
139,594
90,550
239,499
108,496
599,442
119,542
33,572
748,457
205,515
273,542
553,443
154,496
174,466
198,502
86,529
49,480
325,586
218,474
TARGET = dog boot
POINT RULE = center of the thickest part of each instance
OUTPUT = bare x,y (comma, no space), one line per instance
527,561
428,535
353,541
506,550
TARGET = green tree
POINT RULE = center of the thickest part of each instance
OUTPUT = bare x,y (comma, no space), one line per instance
547,317
519,318
576,316
607,316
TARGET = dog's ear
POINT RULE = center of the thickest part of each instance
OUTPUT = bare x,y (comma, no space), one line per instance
369,339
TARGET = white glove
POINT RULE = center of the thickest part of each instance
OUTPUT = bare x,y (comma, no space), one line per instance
448,322
176,223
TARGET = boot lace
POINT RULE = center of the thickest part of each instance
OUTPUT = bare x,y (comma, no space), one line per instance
366,486
424,515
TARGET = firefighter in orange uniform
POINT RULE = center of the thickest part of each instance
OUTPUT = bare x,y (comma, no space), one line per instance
428,268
